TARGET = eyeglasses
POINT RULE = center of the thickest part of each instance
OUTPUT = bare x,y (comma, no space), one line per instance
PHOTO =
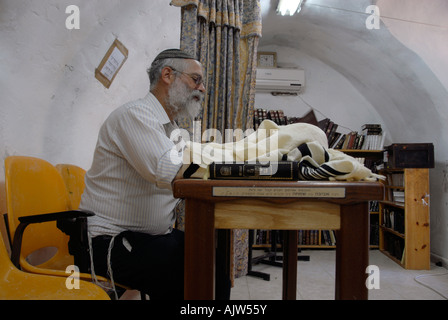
195,77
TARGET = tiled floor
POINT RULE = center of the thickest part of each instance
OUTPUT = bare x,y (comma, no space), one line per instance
316,280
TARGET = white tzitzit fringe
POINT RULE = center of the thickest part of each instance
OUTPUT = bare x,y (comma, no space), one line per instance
109,266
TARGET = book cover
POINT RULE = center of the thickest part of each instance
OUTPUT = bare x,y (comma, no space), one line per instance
281,170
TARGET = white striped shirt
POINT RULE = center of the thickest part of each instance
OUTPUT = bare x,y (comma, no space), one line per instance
128,186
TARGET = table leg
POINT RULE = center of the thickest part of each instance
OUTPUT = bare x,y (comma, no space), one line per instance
352,252
199,270
290,240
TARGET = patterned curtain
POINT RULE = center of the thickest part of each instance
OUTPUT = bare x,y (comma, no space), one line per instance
223,35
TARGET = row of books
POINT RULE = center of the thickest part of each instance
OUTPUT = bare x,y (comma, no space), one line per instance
374,206
396,195
395,179
374,136
371,136
306,237
330,128
311,237
352,140
395,246
393,218
262,237
275,115
279,117
357,141
328,238
374,230
396,192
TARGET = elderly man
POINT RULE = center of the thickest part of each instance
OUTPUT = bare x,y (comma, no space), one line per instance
129,184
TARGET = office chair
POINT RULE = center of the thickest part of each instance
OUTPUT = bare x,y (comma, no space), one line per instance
19,285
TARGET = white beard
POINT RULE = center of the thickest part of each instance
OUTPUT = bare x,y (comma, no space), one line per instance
184,102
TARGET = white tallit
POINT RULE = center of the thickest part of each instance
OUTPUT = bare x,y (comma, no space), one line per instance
300,142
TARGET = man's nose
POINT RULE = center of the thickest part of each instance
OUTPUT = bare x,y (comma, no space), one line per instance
201,87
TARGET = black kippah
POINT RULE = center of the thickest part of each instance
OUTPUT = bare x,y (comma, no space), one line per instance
173,54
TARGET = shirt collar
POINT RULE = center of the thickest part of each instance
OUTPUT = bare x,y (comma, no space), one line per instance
159,111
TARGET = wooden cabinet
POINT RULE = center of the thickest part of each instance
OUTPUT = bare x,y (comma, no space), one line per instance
404,218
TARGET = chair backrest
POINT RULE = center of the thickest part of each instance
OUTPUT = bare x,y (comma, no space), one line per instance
73,177
34,186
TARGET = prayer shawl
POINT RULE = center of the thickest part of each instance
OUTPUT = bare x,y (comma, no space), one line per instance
300,142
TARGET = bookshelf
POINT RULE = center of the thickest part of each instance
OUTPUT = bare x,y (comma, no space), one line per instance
404,218
323,239
365,146
319,239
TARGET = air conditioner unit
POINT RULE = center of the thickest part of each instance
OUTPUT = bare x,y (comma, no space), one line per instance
283,80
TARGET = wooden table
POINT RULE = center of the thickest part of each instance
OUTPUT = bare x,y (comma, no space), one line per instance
275,205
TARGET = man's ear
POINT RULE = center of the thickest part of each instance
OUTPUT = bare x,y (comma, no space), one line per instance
167,75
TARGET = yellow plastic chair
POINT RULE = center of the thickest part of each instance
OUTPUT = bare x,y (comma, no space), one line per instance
36,194
19,285
34,186
73,177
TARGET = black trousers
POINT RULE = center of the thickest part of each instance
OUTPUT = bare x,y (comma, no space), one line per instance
152,264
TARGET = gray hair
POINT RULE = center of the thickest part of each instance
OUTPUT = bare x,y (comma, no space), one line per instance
155,71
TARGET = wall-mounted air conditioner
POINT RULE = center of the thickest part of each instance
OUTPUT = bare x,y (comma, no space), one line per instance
281,80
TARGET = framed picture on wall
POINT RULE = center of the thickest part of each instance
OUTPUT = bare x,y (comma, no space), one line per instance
267,59
111,63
